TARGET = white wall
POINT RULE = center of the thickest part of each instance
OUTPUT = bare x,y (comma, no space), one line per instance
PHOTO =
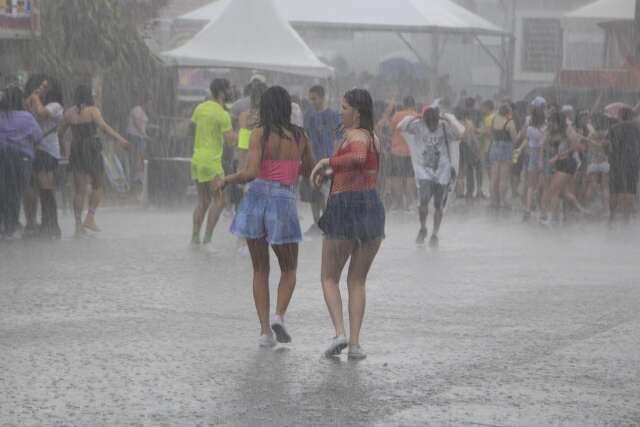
583,45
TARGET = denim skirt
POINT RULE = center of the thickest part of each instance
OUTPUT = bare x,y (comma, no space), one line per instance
268,211
354,215
501,151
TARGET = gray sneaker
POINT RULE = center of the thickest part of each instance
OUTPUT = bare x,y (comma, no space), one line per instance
337,345
277,325
356,353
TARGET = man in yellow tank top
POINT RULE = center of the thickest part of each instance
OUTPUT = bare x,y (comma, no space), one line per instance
210,128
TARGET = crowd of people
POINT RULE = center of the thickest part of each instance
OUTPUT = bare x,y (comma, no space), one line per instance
268,150
546,161
33,122
354,166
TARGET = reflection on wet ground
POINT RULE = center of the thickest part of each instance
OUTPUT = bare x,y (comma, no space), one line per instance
503,325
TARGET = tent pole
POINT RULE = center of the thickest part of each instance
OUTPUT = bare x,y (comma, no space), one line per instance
636,33
435,64
413,50
511,58
488,52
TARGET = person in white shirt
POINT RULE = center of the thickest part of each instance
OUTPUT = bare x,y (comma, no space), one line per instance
45,103
429,140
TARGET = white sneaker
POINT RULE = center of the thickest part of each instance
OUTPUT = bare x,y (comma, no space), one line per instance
277,325
545,222
337,345
267,341
356,353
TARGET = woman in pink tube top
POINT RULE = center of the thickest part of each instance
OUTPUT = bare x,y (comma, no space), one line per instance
279,152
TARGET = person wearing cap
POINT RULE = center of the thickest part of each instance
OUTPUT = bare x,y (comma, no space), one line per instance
539,102
243,104
428,138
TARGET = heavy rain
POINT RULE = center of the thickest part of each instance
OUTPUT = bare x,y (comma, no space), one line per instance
319,212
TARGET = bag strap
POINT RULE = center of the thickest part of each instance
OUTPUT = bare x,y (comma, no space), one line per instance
446,141
49,132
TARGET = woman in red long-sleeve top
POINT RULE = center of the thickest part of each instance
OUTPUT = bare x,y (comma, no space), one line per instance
353,222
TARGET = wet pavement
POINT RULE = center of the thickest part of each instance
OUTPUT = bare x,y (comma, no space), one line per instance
503,325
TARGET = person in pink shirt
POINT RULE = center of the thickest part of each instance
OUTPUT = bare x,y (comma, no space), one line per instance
279,152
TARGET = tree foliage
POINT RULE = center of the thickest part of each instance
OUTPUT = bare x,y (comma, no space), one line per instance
77,34
84,38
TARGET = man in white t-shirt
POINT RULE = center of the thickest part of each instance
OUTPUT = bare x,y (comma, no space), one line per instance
429,140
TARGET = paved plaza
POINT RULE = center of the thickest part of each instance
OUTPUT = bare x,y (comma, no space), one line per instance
504,325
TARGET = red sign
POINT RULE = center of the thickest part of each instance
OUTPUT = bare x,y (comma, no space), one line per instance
19,19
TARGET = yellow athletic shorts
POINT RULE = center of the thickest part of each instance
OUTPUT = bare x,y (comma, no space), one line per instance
202,172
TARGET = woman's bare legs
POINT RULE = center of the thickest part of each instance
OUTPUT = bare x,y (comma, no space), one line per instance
215,210
259,250
494,176
504,181
288,259
80,184
606,195
532,186
361,260
335,254
95,197
204,200
558,185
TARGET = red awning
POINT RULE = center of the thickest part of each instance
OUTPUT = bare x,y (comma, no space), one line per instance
625,79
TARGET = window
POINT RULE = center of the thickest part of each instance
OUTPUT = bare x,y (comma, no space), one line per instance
541,45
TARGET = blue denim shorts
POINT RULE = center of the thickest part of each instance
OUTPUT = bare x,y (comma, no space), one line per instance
501,151
354,215
268,210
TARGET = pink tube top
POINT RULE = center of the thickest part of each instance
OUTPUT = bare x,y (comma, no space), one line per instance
283,171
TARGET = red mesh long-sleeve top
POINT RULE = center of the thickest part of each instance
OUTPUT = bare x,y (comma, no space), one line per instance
355,164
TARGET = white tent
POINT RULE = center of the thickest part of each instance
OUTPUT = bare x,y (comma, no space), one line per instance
606,11
249,34
373,15
616,17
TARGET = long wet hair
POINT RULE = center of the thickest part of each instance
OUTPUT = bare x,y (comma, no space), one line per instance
275,114
12,100
559,123
54,93
33,83
537,117
83,97
360,100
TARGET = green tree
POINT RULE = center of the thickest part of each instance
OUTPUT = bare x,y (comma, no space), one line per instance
85,39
